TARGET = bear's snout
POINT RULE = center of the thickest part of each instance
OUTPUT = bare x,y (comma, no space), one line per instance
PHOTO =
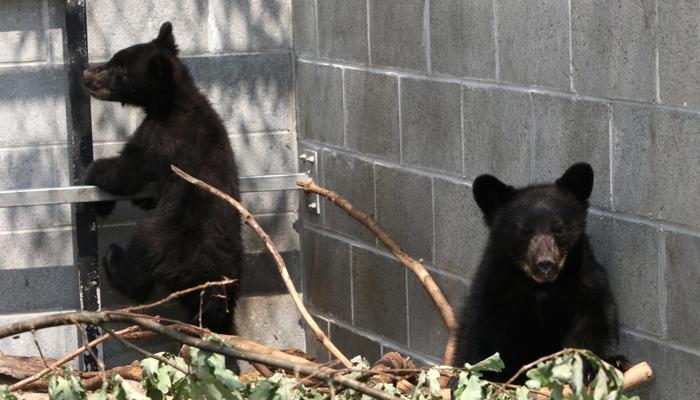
96,81
544,260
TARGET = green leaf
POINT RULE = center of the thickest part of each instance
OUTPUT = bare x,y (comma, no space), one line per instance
61,388
562,370
472,390
5,393
600,389
130,393
264,391
432,376
101,393
494,363
577,379
522,393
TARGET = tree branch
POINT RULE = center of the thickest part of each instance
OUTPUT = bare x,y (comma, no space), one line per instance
24,382
179,293
281,265
230,350
443,306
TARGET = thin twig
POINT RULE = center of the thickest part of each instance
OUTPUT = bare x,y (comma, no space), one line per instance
144,351
281,265
41,354
180,293
416,266
201,306
525,368
99,362
24,382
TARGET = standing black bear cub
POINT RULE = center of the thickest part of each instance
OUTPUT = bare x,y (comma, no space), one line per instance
191,237
538,288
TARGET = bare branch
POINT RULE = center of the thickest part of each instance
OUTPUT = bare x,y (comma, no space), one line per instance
99,362
21,384
180,293
443,306
38,348
281,265
230,349
144,351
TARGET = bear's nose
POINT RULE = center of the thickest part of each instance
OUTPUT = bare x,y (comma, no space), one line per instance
546,267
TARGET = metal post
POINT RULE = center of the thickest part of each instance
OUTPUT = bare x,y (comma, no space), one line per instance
80,128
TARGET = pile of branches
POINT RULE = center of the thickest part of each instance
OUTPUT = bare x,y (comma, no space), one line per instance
199,370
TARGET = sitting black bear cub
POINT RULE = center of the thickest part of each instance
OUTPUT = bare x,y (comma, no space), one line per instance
538,288
191,237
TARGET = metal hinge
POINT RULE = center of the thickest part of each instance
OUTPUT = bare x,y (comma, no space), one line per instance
309,165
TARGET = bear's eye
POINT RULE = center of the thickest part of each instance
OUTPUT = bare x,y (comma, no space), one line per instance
557,228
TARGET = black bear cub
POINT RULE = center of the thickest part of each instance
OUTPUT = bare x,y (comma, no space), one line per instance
538,288
190,237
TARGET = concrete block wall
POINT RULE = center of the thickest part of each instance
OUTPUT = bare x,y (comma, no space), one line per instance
240,55
407,101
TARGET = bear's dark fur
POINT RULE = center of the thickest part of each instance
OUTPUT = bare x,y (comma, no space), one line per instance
191,237
538,288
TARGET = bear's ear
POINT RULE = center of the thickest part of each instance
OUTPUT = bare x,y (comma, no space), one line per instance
490,193
165,37
160,68
577,180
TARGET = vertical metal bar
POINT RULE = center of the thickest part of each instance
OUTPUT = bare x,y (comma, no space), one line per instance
80,128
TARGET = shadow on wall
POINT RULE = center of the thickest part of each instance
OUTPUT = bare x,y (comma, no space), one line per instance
200,27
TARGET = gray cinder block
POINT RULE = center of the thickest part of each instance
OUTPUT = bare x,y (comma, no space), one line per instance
462,38
533,42
319,103
107,21
39,289
251,93
113,122
656,172
281,229
426,326
32,105
404,210
379,294
271,320
27,167
630,254
497,125
460,233
314,348
353,344
372,112
36,249
23,35
569,131
679,56
342,29
613,44
396,33
250,25
265,154
353,179
683,280
431,130
304,16
675,370
327,275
